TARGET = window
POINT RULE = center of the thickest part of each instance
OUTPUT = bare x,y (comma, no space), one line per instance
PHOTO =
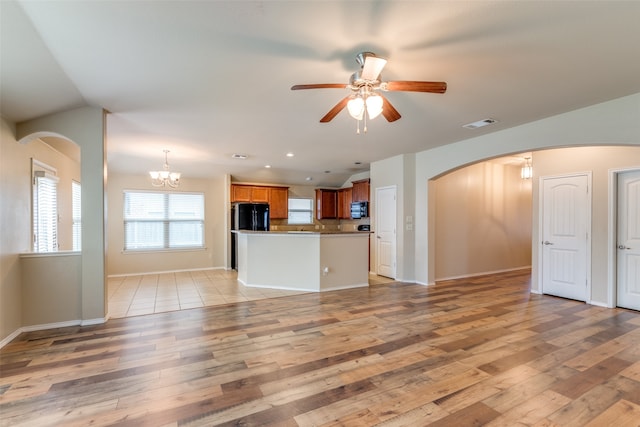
300,211
76,209
45,208
161,221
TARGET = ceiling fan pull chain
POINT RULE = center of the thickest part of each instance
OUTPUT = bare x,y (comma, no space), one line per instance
365,122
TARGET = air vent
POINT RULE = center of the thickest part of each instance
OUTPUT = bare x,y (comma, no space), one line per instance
239,156
480,123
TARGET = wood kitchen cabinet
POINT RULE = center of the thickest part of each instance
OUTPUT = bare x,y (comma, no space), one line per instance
277,197
360,190
279,202
326,204
344,203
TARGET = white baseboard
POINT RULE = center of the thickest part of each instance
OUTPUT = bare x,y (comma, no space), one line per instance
600,304
484,273
167,271
339,288
10,337
45,326
96,321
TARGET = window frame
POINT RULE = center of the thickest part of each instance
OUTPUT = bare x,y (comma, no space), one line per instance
168,223
42,176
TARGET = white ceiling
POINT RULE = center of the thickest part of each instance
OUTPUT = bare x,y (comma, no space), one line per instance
206,79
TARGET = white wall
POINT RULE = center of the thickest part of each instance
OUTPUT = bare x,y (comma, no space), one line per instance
213,256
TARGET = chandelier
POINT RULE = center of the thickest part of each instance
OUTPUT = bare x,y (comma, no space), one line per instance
165,177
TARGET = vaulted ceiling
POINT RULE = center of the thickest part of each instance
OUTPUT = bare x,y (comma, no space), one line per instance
209,79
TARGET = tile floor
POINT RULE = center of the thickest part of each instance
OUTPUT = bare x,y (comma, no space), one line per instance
156,293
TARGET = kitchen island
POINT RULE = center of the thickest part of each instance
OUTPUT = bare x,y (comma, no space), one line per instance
303,260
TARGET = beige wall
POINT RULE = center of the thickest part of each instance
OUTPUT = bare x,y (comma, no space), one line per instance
483,220
15,225
216,228
51,292
15,220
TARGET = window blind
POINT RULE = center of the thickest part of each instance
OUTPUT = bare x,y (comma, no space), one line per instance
77,215
300,211
160,221
45,212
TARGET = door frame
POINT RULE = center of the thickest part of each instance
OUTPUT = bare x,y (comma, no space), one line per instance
612,235
540,236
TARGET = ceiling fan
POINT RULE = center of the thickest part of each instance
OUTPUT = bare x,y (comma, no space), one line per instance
365,86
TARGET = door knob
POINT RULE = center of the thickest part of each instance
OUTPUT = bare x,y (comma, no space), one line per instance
623,247
546,242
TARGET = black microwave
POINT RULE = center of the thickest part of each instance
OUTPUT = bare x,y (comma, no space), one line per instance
359,210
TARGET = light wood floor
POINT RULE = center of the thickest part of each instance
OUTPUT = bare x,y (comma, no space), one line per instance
479,351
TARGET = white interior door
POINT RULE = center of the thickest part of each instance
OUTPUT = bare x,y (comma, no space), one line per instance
386,231
565,236
628,269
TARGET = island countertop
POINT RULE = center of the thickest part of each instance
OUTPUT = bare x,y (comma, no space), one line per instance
303,232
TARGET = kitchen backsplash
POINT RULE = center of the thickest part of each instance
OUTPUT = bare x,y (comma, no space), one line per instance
323,225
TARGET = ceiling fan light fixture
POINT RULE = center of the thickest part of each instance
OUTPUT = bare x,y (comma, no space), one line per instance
356,107
372,68
374,106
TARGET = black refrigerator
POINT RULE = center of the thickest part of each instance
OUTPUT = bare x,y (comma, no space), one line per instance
247,216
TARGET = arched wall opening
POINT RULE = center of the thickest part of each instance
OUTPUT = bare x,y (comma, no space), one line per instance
85,127
483,219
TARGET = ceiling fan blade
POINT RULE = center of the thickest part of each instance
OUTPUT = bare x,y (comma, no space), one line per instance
388,111
411,86
320,86
372,67
335,110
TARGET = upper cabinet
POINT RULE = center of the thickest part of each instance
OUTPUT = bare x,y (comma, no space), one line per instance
279,202
277,197
344,203
360,190
326,204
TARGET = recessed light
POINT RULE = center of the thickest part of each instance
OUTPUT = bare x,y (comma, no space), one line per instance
239,156
357,163
267,166
290,154
327,171
480,123
308,178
